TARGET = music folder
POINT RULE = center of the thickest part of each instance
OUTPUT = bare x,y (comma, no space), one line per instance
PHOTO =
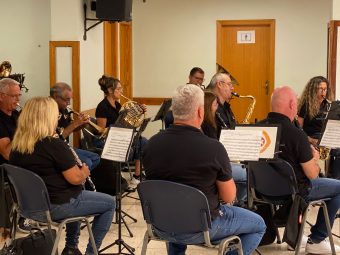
163,110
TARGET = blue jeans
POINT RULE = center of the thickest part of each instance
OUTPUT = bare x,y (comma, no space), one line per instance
91,159
240,177
87,203
324,188
233,220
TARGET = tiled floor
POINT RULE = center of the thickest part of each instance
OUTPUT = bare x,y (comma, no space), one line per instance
132,207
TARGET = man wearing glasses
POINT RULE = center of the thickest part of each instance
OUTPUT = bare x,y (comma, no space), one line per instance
61,92
196,76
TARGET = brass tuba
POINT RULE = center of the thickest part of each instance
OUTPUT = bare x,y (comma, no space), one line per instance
250,109
5,69
133,113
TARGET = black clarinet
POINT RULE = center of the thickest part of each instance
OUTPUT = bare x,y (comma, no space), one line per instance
218,115
78,161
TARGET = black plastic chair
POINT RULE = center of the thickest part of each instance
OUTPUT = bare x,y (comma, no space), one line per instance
32,197
178,208
274,182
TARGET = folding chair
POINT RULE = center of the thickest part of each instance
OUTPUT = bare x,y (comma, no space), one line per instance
32,197
274,182
177,208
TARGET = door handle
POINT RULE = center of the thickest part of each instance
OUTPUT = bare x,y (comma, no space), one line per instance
267,87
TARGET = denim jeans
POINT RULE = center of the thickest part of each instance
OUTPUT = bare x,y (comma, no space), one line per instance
249,226
324,188
91,159
87,203
240,177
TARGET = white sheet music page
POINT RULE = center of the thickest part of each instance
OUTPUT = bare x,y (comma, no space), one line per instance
242,145
331,135
117,144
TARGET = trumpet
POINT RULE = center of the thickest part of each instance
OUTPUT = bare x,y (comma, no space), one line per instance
101,131
18,108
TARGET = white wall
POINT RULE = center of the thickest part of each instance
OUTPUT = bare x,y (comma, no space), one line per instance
171,36
25,33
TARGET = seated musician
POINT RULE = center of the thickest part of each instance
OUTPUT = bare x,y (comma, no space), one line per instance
303,157
35,148
62,94
183,154
196,76
107,113
221,85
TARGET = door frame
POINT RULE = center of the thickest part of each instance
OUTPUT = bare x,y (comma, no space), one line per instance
263,22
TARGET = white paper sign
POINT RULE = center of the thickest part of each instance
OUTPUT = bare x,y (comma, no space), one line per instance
117,144
246,36
242,145
331,136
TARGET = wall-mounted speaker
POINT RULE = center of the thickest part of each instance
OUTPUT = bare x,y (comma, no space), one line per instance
114,10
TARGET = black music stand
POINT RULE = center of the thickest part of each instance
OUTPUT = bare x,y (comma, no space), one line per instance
118,156
163,111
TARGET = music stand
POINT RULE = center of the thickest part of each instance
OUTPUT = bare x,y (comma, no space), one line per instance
117,147
163,110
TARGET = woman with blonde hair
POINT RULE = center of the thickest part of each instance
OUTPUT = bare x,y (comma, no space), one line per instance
35,148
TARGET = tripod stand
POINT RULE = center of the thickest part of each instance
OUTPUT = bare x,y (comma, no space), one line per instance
119,241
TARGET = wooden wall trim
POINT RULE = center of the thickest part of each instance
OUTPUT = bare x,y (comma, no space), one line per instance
75,45
332,53
150,100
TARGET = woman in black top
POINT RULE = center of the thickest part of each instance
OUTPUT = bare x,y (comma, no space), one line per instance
313,104
107,112
209,126
35,148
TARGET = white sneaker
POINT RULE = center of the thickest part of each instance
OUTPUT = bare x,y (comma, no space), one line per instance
134,181
324,247
302,244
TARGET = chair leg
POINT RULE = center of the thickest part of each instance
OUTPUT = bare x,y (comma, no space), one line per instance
146,240
329,229
56,241
93,243
304,218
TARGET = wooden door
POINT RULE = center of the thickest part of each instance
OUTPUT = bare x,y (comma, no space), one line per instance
245,48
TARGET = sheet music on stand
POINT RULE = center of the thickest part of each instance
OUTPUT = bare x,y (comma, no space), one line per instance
331,135
242,145
118,144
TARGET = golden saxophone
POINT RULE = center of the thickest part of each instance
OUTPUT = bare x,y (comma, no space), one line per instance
250,109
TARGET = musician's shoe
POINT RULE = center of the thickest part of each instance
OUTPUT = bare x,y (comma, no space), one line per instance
24,225
324,247
71,251
302,245
135,180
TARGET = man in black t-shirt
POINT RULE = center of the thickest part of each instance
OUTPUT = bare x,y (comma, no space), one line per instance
304,159
62,94
183,154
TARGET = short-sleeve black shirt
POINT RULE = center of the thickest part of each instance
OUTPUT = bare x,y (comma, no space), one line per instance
106,110
227,116
294,146
50,158
185,155
8,125
313,127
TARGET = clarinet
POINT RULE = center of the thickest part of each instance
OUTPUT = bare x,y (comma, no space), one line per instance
78,161
218,115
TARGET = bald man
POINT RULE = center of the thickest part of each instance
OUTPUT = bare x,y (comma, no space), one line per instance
304,158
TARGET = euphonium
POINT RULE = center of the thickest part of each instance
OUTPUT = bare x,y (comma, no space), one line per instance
250,109
99,130
134,112
5,69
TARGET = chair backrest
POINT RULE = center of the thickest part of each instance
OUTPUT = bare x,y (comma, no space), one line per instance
272,178
30,190
174,208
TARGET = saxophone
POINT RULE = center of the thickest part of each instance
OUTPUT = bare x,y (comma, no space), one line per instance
250,109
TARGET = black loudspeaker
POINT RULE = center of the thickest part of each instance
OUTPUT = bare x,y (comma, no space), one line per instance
114,10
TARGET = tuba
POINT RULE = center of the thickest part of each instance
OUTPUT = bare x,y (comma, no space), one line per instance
132,114
250,109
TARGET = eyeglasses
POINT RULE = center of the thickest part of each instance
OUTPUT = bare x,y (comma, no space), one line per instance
12,95
67,100
230,84
322,89
119,88
199,78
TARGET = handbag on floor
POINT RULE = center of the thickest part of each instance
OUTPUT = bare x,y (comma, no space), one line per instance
37,242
